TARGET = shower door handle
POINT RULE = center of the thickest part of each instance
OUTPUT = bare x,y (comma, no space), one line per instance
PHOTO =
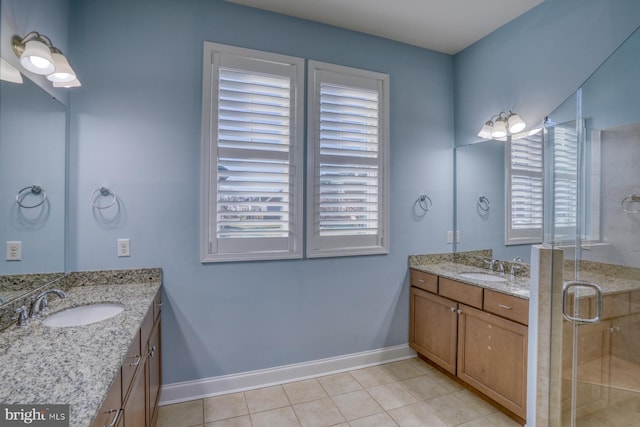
565,298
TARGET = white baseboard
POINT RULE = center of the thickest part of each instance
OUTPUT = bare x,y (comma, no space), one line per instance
208,387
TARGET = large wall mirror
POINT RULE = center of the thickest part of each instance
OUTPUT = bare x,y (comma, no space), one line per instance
32,156
481,200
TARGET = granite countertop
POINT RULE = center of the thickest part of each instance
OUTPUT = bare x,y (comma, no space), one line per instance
74,365
517,286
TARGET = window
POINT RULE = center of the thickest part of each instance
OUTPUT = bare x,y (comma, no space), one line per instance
252,153
348,161
524,181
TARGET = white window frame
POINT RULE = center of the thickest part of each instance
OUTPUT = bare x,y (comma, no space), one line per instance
521,235
214,249
347,245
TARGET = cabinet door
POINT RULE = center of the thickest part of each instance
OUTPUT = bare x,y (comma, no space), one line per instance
433,328
135,407
154,365
492,357
110,412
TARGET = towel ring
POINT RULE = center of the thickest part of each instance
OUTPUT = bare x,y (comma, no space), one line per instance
35,190
484,204
104,192
632,198
425,202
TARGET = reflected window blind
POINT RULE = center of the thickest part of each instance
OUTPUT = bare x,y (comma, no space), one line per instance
565,185
253,155
348,161
526,184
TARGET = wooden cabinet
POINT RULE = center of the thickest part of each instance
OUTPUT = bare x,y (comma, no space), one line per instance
492,357
477,334
434,328
132,400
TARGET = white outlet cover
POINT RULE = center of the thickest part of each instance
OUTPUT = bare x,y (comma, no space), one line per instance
124,248
14,251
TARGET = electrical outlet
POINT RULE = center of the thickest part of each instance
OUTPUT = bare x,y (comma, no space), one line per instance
14,251
124,247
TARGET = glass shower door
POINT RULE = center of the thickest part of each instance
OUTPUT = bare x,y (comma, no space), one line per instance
592,166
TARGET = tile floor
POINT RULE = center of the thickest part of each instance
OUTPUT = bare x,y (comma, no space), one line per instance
405,393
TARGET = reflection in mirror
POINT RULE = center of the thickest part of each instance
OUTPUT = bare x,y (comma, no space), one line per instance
481,200
32,153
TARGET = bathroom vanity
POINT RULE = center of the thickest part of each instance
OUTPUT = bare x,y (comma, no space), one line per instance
474,325
108,372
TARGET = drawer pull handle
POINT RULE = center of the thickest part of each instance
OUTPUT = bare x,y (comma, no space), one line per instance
137,361
421,280
506,307
115,418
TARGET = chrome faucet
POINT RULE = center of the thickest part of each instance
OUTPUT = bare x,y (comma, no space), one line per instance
514,269
40,302
493,263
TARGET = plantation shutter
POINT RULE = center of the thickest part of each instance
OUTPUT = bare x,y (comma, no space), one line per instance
347,151
565,153
525,190
254,205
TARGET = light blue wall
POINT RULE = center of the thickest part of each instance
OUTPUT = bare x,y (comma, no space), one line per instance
136,128
532,64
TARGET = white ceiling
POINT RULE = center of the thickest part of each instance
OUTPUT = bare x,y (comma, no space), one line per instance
442,25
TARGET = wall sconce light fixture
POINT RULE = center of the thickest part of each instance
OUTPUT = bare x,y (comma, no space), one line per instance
38,55
501,125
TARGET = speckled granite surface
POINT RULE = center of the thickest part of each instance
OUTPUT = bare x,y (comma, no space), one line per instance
450,265
75,365
612,278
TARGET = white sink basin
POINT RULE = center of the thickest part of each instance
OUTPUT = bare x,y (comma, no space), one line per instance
479,275
83,315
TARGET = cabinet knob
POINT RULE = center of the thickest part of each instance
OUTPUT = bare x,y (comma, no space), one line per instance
453,309
138,358
459,311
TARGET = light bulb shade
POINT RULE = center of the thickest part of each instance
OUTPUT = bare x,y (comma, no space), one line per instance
8,72
499,129
72,83
37,58
516,124
63,72
485,132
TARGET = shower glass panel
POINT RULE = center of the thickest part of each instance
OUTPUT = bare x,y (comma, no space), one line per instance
592,214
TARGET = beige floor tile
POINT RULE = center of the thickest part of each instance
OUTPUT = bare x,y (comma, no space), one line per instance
372,376
447,383
451,409
267,398
475,402
478,422
391,396
424,387
357,404
402,370
502,420
421,365
318,413
416,415
243,421
304,391
379,420
185,414
281,417
339,384
223,407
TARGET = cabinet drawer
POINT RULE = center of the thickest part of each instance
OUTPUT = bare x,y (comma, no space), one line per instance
508,306
461,292
130,364
424,281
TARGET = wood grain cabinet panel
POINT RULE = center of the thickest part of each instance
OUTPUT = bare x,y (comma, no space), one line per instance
492,357
458,291
508,306
424,281
434,328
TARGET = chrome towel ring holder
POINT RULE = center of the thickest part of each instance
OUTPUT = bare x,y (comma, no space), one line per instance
425,202
103,192
35,190
631,198
484,204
